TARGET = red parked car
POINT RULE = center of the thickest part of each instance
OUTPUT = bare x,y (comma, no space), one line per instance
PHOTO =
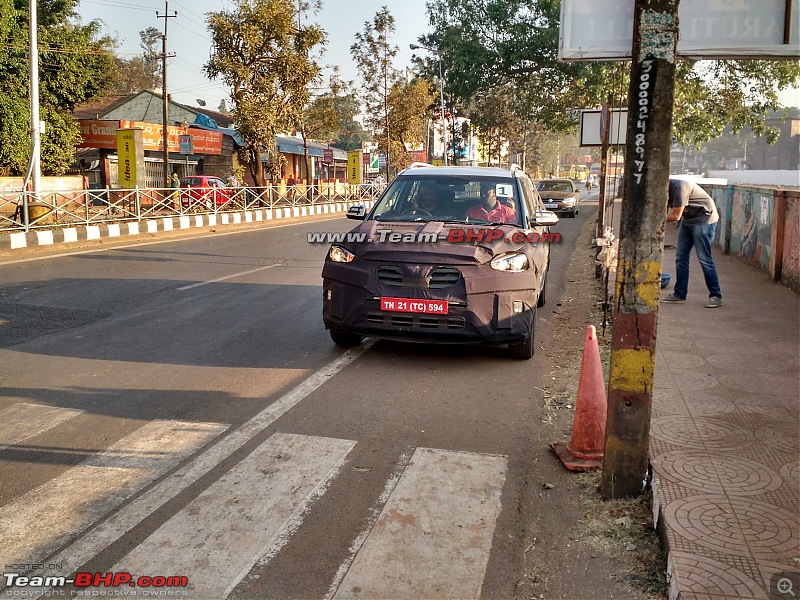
204,190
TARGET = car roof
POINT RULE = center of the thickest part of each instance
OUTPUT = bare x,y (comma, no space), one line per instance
423,171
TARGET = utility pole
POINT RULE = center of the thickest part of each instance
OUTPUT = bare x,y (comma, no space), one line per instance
641,247
601,202
165,100
36,130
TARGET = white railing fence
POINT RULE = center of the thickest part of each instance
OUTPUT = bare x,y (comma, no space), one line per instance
24,211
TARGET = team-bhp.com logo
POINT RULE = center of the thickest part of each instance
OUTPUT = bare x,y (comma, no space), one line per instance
158,585
454,236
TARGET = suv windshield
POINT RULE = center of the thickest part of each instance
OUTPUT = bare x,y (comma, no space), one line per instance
450,198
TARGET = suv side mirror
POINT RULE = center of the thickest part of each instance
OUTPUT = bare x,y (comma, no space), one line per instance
357,212
544,218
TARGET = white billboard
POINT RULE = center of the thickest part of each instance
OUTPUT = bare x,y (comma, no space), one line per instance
707,29
592,127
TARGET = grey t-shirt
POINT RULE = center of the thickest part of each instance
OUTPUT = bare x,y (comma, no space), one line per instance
700,208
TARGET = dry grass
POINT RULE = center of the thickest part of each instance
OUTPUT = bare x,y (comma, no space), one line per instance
622,529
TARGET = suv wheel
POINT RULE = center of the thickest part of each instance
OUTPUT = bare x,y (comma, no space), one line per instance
346,340
524,349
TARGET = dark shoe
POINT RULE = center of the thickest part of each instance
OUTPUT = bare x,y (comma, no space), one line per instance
714,302
672,298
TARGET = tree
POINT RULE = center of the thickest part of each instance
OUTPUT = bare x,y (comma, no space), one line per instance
75,66
143,72
712,94
373,54
409,105
265,57
321,119
486,43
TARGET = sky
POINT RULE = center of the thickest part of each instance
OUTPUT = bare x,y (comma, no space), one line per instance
189,39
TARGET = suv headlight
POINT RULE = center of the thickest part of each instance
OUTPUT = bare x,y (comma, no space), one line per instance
569,201
340,255
514,262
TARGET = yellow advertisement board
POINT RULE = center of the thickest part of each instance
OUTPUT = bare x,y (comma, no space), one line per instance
354,166
126,151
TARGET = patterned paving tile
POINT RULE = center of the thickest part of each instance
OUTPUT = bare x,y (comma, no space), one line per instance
744,362
700,433
763,382
771,408
720,475
781,435
737,526
703,577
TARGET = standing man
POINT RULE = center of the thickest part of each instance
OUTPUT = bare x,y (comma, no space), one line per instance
696,215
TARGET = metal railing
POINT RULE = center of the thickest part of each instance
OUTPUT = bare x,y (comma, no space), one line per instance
23,211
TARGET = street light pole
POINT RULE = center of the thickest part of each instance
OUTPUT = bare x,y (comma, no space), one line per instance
441,96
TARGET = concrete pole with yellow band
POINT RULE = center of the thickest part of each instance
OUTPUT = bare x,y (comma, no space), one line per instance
641,248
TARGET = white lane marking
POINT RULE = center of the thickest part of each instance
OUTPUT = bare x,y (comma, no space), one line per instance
219,536
127,517
22,421
194,285
434,535
374,513
38,522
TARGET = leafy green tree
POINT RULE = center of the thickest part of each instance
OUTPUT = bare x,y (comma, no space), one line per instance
141,72
265,57
712,94
321,120
486,43
75,66
373,53
409,105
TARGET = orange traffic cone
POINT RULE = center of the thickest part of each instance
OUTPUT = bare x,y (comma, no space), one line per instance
585,450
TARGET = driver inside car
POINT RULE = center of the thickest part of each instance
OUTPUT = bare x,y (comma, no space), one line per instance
427,197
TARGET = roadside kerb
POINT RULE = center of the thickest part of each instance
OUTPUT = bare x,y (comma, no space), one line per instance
48,237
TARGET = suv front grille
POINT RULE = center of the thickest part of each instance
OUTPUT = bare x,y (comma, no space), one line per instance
415,321
439,277
443,277
390,275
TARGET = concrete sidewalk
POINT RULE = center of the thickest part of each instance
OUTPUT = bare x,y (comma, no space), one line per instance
725,436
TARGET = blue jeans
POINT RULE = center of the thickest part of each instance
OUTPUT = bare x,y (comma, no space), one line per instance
699,237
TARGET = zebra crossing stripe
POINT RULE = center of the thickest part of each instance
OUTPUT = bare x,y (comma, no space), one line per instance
245,516
22,421
38,522
127,517
434,536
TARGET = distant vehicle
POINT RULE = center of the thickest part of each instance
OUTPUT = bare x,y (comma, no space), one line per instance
560,195
204,190
447,255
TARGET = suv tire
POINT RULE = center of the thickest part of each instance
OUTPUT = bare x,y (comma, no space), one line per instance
346,340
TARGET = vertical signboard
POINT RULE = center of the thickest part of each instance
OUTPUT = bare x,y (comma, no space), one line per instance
131,157
354,166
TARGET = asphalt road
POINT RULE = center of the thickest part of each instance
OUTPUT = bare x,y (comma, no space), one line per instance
177,408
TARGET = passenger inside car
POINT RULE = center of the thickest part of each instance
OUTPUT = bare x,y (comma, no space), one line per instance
490,209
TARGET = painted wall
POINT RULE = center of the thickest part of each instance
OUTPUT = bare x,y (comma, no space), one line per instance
761,226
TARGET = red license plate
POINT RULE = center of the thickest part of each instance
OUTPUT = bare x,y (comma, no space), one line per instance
410,305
